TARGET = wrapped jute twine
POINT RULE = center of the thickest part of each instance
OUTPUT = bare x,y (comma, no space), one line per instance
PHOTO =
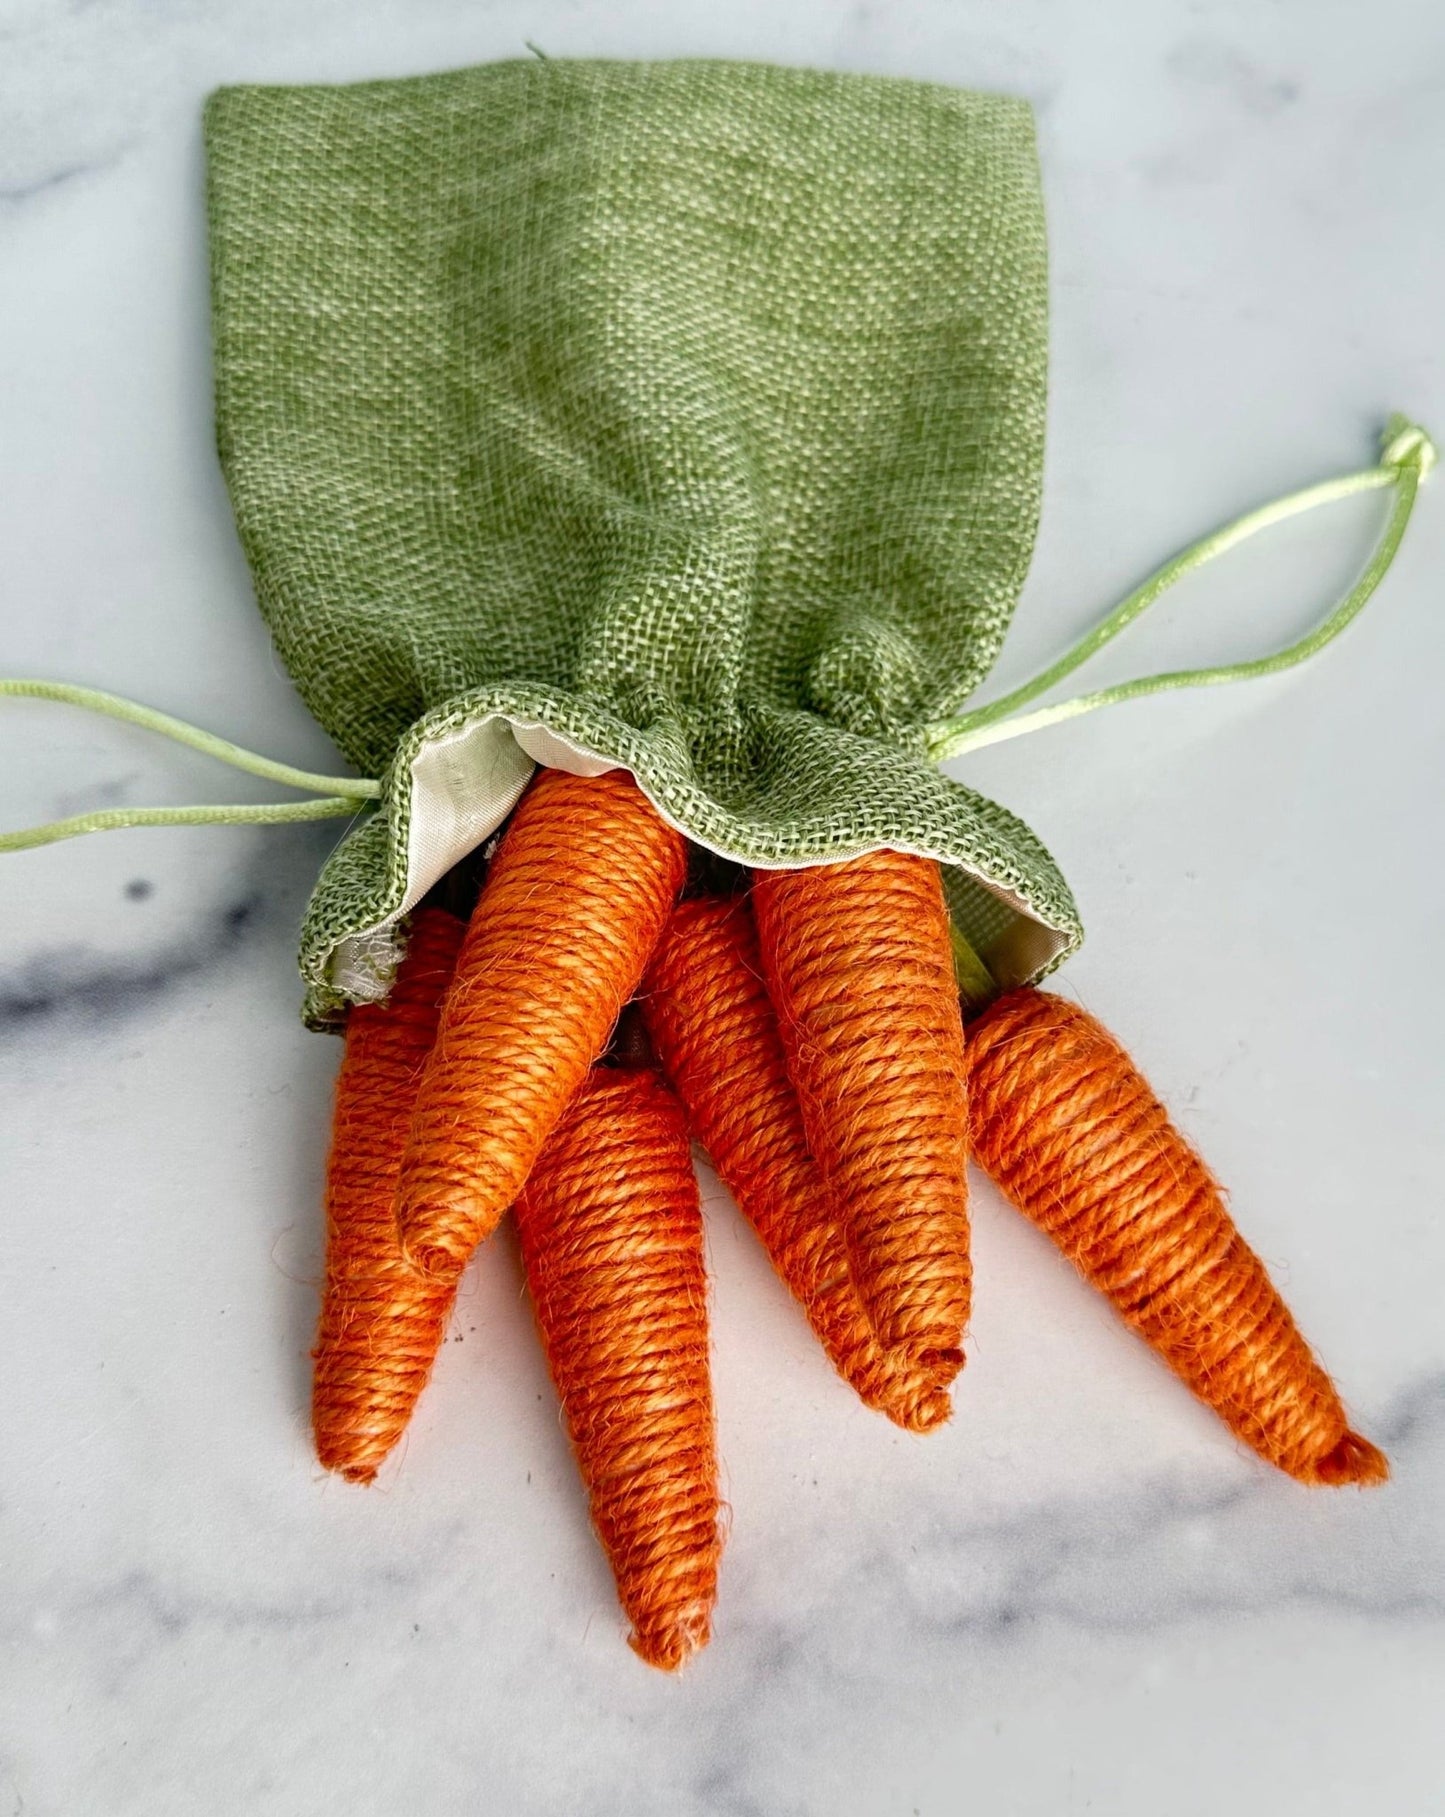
716,1034
612,1244
812,1029
382,1321
1066,1125
859,962
572,908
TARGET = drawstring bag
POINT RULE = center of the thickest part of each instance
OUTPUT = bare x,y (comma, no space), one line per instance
643,460
686,417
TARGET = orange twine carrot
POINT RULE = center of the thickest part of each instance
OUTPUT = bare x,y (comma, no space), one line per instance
611,1234
859,964
574,902
708,1013
381,1322
1068,1127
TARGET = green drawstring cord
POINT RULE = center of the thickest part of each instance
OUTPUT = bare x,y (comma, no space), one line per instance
338,795
1407,454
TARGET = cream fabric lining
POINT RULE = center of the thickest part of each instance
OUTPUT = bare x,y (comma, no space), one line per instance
464,785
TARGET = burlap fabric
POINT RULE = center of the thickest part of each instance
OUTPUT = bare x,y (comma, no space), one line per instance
686,416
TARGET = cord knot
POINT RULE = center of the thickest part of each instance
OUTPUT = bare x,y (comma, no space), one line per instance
1405,444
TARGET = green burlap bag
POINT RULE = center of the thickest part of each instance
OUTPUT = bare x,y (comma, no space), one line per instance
682,416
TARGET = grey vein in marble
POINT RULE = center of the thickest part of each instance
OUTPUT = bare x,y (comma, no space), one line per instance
1041,1612
69,987
72,983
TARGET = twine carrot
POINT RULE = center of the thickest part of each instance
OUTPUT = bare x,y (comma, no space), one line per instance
611,1232
859,964
1067,1126
573,905
708,1013
381,1322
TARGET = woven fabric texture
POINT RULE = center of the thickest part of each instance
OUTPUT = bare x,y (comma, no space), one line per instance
692,411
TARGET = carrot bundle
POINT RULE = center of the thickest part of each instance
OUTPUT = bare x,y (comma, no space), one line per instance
711,1022
574,902
381,1322
611,1232
1067,1126
859,965
812,1030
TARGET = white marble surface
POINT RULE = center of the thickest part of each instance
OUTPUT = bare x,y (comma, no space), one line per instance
1081,1597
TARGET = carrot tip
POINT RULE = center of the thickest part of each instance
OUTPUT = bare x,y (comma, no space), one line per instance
357,1473
1353,1462
435,1259
672,1643
921,1413
342,1461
